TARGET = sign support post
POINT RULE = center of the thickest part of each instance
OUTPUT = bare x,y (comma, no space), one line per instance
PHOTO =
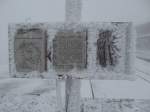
73,15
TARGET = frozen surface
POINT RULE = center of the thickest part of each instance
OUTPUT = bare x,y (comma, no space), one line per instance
27,95
143,54
39,95
116,105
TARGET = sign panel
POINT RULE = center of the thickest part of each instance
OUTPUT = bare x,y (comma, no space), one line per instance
27,49
70,50
87,51
30,50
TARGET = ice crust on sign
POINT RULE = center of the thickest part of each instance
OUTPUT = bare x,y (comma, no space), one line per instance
124,31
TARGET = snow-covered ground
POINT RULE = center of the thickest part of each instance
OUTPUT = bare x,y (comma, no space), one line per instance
39,95
27,95
143,54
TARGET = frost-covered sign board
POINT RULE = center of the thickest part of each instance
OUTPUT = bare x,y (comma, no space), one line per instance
90,50
30,50
69,50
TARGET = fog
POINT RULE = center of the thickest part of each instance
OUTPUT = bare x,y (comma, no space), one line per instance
54,10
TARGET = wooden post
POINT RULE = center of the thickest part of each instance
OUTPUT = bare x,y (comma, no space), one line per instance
73,15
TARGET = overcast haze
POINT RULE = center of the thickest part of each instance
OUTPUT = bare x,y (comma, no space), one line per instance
137,11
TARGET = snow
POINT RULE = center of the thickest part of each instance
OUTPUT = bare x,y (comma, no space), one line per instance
143,66
4,71
39,95
143,54
27,95
116,105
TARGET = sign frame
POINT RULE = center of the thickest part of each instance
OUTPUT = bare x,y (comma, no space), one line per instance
125,30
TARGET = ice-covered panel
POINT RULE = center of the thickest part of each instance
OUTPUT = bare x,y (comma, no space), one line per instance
69,50
30,50
98,50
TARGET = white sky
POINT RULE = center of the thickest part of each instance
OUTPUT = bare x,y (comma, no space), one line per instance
137,11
